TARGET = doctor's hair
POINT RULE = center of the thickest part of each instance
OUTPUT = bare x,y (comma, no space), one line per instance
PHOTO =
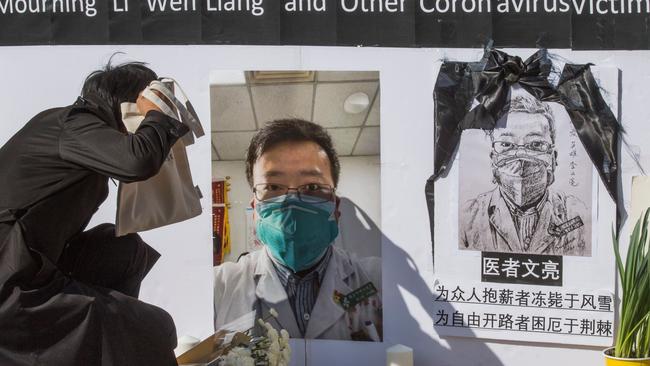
290,130
524,103
118,84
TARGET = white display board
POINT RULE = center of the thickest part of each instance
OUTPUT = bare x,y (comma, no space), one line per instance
565,297
36,78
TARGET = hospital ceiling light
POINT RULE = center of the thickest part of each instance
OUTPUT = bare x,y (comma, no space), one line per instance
356,103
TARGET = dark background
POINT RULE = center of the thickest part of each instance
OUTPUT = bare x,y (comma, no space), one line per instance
333,27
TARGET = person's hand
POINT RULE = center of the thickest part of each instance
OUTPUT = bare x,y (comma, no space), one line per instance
145,105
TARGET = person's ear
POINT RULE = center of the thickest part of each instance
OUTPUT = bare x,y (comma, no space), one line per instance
252,205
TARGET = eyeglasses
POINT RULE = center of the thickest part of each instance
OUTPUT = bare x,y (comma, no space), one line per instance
309,193
533,146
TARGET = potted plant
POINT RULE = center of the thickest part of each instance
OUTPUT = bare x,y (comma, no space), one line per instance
632,340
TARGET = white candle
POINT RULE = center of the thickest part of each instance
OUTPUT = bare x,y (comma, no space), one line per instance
399,355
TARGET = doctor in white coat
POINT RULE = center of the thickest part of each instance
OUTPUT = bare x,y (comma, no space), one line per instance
318,291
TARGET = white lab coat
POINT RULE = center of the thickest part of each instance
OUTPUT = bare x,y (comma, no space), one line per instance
252,285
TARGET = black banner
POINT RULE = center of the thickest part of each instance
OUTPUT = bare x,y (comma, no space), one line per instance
577,24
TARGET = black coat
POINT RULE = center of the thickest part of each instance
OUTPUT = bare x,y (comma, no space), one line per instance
53,176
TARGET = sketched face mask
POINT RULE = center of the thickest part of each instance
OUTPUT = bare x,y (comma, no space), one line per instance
523,179
296,233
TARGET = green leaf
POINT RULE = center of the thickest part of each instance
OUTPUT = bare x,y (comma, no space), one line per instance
633,332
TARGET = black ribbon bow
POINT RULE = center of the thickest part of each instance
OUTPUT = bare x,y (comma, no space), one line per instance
500,72
489,81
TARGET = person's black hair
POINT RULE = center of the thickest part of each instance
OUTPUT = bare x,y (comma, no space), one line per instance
118,84
290,130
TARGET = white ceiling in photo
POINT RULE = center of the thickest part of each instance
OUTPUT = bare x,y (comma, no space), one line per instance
242,102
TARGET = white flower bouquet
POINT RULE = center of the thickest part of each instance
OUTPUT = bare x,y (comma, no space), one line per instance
229,348
271,349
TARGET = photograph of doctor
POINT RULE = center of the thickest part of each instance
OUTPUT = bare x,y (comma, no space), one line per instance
522,212
318,290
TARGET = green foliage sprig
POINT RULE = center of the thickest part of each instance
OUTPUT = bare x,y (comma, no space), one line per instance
633,332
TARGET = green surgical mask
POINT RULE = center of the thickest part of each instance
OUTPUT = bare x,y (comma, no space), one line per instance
296,233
